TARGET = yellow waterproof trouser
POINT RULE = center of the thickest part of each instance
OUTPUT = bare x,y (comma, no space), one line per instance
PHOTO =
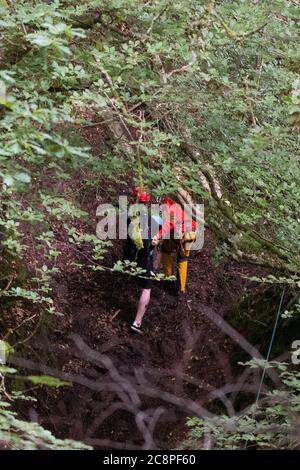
182,248
182,274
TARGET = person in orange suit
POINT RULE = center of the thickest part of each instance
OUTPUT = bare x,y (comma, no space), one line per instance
178,233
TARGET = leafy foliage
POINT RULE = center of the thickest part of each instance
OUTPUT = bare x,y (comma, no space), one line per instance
16,434
270,424
202,94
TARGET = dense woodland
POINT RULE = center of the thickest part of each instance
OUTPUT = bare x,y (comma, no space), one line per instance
192,97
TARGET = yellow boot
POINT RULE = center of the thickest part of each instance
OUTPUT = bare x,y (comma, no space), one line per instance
167,262
182,275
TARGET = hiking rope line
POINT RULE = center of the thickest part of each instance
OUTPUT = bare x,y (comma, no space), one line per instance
140,168
270,345
269,351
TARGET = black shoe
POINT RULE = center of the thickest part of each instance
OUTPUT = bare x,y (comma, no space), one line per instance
136,329
181,294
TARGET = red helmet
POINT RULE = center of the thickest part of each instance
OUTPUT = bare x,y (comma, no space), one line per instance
141,195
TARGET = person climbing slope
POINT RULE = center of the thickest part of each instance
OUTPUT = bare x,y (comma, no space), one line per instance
178,233
138,248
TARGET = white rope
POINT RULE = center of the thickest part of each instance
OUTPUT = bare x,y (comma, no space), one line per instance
269,352
270,345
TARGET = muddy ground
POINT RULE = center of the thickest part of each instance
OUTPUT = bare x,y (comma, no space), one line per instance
127,391
139,390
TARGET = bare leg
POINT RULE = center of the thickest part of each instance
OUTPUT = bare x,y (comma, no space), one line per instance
142,306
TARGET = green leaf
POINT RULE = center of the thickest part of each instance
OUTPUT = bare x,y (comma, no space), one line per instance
23,177
7,370
8,180
41,40
47,380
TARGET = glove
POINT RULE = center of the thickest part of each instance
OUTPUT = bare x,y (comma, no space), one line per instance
155,240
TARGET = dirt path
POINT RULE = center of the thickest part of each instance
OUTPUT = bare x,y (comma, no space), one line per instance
128,391
139,390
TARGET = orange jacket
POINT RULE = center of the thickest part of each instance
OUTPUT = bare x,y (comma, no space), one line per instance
175,219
